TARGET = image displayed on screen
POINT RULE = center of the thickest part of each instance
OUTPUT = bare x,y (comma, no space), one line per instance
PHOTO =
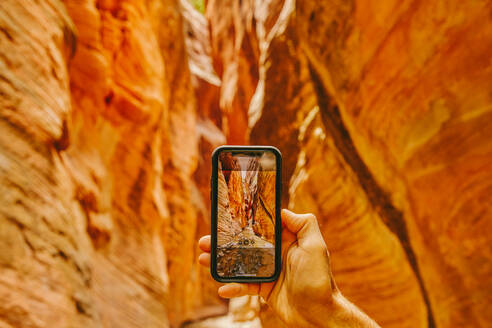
246,214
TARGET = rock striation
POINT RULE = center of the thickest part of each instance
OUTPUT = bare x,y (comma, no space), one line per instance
227,227
375,113
264,206
416,116
109,111
100,207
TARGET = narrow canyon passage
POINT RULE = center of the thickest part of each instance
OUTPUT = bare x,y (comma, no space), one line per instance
110,111
247,252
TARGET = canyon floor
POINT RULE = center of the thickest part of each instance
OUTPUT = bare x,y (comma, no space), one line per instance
246,254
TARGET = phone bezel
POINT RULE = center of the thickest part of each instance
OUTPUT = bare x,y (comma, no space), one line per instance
278,222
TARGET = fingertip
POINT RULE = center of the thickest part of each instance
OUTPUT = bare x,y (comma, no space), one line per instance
229,290
286,211
286,215
237,289
204,243
289,220
204,259
283,213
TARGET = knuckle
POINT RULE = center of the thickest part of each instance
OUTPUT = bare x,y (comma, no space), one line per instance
311,217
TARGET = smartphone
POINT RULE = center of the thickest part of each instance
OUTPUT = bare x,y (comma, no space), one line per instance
245,207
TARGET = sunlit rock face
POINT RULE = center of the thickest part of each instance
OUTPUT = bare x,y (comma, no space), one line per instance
227,227
109,112
236,197
99,153
235,52
412,86
380,111
232,173
45,260
264,205
142,102
286,119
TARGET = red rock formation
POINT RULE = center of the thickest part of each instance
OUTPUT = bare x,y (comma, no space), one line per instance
260,195
386,101
234,54
138,65
412,86
209,118
236,197
113,154
227,227
232,173
264,206
381,110
45,262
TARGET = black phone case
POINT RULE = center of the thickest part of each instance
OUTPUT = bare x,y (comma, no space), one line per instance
278,222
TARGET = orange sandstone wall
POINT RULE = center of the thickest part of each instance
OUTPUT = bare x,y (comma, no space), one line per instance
109,111
265,205
99,207
381,111
412,83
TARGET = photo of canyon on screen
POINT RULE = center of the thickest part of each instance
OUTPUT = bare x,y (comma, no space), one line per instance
246,214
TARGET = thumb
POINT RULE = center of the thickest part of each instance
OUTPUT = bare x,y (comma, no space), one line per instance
305,227
236,290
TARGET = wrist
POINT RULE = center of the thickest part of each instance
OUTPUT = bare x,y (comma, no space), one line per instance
314,311
331,312
346,314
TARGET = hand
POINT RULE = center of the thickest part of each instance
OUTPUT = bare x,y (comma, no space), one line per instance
305,295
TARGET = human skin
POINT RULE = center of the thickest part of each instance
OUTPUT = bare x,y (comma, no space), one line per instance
305,294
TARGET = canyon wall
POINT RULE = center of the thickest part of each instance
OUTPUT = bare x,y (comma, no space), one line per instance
227,227
100,207
381,111
231,171
410,82
236,198
264,205
109,111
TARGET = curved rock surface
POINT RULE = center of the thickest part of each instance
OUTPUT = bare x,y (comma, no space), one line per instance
109,111
412,87
100,209
227,227
377,107
264,205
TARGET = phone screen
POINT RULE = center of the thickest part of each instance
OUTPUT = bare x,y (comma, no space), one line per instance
246,200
